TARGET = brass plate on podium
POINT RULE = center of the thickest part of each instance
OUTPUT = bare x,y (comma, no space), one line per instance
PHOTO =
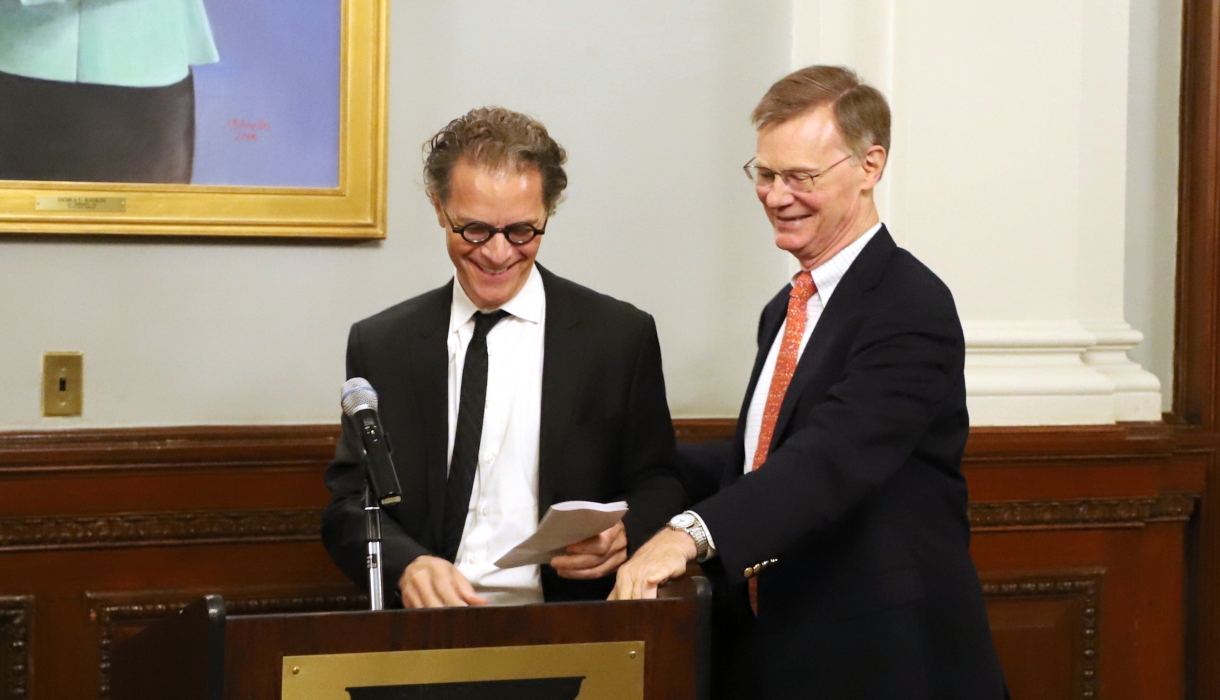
598,671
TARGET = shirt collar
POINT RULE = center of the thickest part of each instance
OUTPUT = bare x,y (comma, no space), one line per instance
526,305
828,275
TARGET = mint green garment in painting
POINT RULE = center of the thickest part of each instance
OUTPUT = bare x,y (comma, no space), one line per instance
133,43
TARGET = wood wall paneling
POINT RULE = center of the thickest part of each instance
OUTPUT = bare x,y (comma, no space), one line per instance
1045,629
16,631
120,615
1115,500
109,529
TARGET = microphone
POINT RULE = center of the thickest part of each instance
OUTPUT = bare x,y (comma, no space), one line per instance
360,404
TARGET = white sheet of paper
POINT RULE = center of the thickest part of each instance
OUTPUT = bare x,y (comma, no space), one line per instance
564,524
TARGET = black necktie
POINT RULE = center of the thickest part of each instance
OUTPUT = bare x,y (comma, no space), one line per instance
469,432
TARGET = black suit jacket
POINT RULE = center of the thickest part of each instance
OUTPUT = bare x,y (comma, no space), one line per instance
861,504
606,432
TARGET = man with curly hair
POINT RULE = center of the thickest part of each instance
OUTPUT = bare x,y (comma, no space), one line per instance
505,391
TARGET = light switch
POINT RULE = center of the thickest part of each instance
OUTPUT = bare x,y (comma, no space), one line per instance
62,377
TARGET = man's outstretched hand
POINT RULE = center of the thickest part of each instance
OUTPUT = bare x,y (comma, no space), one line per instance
595,557
660,559
432,582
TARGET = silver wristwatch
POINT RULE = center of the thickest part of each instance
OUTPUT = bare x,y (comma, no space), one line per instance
688,523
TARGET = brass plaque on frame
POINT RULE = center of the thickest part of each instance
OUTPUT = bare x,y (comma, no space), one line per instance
598,671
56,203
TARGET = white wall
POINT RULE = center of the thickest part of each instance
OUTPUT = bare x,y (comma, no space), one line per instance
651,100
1009,178
1152,182
1027,136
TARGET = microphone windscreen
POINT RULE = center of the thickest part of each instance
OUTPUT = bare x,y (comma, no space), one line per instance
358,395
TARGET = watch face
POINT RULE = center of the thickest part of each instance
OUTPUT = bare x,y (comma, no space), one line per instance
682,521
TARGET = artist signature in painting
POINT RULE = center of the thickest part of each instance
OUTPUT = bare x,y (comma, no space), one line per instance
246,130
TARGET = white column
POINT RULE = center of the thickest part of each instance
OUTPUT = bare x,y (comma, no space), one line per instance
1103,195
1007,178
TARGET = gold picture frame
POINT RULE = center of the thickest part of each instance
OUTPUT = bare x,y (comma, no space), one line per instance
355,209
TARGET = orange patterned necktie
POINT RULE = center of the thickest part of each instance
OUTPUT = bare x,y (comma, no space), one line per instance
803,290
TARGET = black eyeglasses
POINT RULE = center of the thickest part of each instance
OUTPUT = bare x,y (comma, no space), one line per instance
477,232
796,180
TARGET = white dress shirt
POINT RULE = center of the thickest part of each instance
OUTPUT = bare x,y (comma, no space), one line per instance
504,499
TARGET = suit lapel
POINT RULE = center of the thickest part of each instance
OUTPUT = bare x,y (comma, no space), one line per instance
428,367
561,377
864,273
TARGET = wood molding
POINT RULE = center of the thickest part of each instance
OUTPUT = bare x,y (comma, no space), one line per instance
300,525
16,635
1040,444
93,449
1083,586
158,529
144,448
1004,445
175,447
1080,513
132,611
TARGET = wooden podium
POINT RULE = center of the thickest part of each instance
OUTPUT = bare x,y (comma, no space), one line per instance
657,649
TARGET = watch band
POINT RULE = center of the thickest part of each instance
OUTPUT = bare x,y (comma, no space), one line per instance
697,533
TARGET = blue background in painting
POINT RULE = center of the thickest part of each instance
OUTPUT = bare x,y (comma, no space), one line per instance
279,69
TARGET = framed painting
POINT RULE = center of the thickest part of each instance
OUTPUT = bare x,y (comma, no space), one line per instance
262,118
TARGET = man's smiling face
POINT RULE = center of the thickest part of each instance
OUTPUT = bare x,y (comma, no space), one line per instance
815,225
491,273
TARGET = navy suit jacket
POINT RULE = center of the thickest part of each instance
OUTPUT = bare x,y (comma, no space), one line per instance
856,525
605,433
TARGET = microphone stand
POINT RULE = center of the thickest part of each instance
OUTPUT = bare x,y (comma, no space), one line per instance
372,527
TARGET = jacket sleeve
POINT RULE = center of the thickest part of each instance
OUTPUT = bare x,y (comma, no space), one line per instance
651,481
343,520
895,382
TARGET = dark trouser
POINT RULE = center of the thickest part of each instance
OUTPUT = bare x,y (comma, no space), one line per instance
78,132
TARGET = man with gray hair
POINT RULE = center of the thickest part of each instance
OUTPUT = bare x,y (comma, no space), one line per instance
505,392
834,523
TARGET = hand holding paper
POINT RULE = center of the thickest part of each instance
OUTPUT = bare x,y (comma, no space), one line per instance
571,523
595,557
